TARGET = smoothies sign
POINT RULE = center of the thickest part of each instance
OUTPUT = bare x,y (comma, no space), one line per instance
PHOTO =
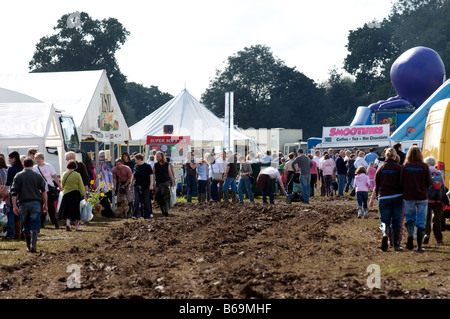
356,134
175,147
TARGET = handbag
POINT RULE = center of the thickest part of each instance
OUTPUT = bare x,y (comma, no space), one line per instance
217,177
252,179
53,191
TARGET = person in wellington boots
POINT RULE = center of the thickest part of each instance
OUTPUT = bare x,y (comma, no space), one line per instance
29,198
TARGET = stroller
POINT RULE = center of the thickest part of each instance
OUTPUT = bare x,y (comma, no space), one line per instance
296,195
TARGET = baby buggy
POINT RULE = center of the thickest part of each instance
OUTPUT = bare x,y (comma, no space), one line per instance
296,195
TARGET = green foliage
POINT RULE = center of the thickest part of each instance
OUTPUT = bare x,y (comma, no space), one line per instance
267,92
144,100
373,50
90,46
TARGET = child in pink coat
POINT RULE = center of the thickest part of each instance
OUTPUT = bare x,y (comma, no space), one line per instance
362,191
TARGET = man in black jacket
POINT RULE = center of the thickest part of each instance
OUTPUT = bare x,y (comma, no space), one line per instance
28,190
341,172
398,149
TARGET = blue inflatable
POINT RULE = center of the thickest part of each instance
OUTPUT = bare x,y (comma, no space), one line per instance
415,75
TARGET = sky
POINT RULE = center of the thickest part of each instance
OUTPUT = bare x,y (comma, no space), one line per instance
180,44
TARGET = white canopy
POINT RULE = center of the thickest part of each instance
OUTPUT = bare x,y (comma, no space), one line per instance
189,118
86,95
8,96
28,125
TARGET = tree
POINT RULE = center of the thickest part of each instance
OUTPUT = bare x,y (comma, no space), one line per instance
374,47
90,45
267,93
144,100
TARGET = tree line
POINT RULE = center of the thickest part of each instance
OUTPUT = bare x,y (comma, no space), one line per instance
268,93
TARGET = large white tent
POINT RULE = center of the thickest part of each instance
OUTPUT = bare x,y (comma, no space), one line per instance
189,118
28,125
86,95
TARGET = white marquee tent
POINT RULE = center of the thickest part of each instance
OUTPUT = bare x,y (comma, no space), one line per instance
86,95
189,118
26,125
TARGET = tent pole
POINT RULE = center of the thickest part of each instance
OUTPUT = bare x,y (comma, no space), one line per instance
97,181
113,160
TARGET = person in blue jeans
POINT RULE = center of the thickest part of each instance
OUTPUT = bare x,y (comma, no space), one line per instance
244,181
303,164
190,168
351,170
389,191
29,200
230,177
416,180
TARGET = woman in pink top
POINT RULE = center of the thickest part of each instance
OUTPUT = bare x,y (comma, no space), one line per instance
314,175
328,166
362,190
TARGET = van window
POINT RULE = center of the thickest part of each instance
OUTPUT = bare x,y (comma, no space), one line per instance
71,141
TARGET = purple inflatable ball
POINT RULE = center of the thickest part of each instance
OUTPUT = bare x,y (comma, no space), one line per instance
417,73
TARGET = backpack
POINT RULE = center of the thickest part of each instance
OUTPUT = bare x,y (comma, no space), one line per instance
436,191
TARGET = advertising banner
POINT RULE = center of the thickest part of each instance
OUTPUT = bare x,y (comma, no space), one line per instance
175,147
357,135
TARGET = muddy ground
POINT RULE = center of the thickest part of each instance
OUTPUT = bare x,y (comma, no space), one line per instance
211,251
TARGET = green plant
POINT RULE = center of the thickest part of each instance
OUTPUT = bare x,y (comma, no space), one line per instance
94,197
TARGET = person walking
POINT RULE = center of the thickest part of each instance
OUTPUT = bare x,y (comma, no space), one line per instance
289,169
47,171
341,172
416,180
360,161
126,159
122,175
362,191
202,180
29,199
264,182
398,148
437,197
244,180
142,185
230,177
389,192
74,190
190,168
164,180
81,168
216,175
371,171
303,165
314,175
328,166
14,227
371,156
351,171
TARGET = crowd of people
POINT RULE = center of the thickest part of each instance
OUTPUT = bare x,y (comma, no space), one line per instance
404,186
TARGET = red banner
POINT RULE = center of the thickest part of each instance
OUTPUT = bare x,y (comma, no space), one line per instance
168,139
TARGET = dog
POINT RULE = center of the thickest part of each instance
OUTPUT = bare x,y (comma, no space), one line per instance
122,209
335,187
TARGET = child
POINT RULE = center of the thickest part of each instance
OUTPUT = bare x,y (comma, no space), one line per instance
362,190
371,170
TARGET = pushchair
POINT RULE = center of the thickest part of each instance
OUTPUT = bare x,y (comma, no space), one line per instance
296,195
